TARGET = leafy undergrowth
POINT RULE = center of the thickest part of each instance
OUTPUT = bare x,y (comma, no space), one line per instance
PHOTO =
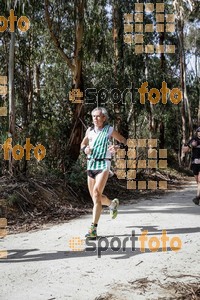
28,203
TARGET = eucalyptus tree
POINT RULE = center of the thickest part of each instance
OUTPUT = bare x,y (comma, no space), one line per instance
184,10
62,18
7,6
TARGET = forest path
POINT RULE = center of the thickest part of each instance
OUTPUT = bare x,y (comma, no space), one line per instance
43,264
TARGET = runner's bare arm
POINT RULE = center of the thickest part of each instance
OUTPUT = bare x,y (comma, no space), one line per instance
185,149
118,137
85,140
113,148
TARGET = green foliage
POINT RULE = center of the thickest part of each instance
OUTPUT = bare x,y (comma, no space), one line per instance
43,79
77,176
13,199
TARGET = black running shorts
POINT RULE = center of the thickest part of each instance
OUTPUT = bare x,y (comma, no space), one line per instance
195,168
93,173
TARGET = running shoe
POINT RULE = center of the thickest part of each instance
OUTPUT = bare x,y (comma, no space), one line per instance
92,232
196,200
113,211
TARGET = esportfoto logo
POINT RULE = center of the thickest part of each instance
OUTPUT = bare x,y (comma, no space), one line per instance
115,244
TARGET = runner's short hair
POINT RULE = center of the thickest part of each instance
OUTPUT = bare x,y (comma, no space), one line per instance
103,111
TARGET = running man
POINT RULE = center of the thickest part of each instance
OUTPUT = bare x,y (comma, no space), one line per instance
194,145
96,145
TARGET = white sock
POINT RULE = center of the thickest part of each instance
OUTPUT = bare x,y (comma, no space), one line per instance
112,205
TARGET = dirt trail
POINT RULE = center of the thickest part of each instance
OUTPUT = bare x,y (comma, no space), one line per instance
43,265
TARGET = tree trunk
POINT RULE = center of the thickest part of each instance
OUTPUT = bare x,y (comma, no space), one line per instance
198,84
185,105
11,96
161,135
115,38
36,88
162,55
77,130
183,116
151,108
75,65
117,16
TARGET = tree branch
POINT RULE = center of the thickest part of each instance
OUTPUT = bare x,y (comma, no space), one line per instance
55,39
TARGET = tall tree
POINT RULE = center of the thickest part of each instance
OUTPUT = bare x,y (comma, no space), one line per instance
11,95
75,65
183,10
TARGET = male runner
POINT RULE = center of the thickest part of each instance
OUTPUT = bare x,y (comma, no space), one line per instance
194,145
96,145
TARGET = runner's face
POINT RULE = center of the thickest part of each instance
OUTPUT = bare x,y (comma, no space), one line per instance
198,134
98,118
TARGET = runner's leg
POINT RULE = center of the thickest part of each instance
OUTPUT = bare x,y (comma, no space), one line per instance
91,182
100,182
92,232
196,176
198,184
196,170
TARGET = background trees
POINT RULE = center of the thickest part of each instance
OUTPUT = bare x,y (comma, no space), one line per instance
79,44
